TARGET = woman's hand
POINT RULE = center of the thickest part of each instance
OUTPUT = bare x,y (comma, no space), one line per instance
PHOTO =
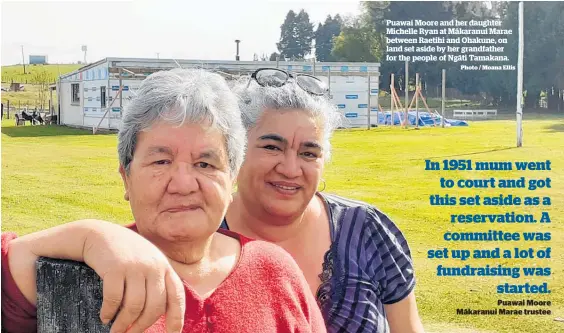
139,285
139,282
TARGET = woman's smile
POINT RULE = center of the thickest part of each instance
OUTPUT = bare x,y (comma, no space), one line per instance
285,188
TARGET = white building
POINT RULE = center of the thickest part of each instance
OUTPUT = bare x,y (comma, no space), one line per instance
89,97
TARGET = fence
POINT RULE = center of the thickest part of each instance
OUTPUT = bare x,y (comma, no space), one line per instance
9,108
7,79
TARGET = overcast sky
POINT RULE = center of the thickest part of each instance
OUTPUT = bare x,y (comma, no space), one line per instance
175,29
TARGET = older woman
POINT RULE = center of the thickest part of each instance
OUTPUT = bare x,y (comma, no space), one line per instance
355,259
180,148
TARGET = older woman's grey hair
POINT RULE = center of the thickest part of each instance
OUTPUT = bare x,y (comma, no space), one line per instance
255,99
181,96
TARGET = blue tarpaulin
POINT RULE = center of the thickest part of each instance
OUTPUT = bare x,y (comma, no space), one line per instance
425,119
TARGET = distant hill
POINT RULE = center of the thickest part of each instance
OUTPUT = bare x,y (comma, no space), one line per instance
15,72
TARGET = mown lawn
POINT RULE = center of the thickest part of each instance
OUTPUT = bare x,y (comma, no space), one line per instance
53,175
15,73
29,97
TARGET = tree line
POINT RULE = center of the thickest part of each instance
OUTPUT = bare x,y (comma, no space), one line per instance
363,39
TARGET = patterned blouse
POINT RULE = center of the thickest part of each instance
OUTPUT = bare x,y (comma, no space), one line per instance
368,265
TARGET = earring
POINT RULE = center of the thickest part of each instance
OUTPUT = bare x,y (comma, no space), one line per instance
323,180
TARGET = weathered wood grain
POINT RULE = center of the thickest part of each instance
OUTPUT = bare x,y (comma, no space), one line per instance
69,297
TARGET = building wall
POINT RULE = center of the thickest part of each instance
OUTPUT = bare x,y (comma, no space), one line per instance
349,87
88,111
71,113
350,95
130,86
92,106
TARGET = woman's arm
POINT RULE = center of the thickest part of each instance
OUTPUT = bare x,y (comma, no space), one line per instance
403,316
18,314
24,251
392,269
120,257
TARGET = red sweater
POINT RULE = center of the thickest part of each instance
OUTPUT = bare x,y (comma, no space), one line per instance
265,292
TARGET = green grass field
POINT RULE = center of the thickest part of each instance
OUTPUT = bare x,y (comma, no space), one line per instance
16,73
29,96
54,175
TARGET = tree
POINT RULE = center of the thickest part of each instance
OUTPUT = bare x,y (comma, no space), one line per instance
273,56
288,43
42,79
471,82
296,35
543,50
324,37
304,33
543,67
542,60
357,42
321,41
376,13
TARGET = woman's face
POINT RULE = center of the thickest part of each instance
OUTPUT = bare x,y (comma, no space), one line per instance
179,184
283,164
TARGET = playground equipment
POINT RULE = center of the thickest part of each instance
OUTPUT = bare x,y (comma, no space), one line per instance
406,117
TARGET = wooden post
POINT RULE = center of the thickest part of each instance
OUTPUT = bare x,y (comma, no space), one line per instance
313,66
59,99
417,100
443,100
392,100
69,297
51,102
406,92
520,79
377,101
95,128
369,98
329,82
120,99
8,113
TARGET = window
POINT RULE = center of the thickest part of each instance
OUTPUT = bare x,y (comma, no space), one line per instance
103,96
75,87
